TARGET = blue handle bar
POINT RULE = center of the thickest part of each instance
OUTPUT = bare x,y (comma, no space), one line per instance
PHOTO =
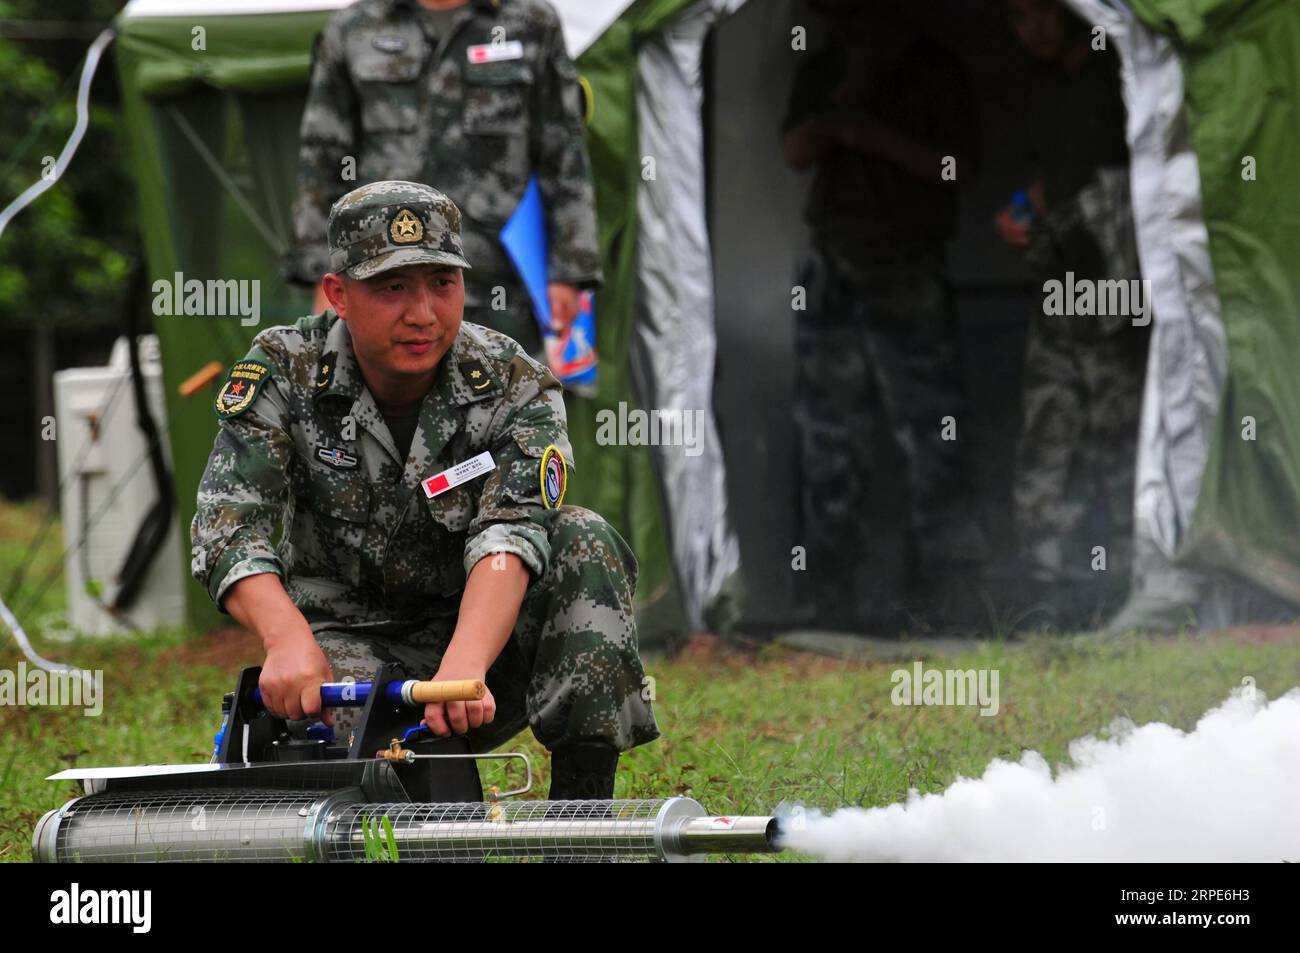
354,694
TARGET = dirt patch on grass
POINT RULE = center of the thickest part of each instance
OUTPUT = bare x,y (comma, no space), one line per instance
1257,634
1250,635
708,652
230,648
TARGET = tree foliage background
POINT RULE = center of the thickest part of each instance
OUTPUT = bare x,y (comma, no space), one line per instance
65,260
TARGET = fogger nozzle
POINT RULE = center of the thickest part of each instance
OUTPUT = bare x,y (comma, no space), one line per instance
338,826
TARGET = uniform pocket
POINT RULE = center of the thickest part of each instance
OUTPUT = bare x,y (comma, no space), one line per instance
496,98
523,483
451,513
330,525
388,90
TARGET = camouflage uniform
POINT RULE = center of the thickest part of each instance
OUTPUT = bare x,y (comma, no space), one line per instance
878,336
375,565
880,342
1084,375
476,116
1082,399
1078,445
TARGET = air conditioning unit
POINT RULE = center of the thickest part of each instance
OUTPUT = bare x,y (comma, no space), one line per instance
106,488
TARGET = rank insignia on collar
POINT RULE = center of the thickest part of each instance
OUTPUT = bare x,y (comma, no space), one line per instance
336,457
554,477
325,372
476,376
241,388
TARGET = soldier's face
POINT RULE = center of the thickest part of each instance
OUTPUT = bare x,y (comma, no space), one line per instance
402,321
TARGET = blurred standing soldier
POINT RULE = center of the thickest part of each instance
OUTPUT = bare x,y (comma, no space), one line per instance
1083,374
877,116
475,95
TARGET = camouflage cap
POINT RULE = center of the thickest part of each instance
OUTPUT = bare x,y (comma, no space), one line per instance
386,225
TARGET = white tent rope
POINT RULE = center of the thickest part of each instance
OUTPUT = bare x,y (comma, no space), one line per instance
25,644
79,130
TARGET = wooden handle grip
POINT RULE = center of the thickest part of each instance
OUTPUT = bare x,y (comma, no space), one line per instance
468,690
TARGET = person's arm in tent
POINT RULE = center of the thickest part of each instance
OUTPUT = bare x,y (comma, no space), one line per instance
563,168
328,138
805,135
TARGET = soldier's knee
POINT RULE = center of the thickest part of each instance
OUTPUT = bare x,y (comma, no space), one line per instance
584,538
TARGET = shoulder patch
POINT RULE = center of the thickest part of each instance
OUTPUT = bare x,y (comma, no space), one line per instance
243,384
554,476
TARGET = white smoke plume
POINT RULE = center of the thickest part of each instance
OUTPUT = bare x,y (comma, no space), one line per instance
1229,790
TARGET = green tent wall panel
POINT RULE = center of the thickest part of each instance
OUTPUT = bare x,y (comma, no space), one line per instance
1241,66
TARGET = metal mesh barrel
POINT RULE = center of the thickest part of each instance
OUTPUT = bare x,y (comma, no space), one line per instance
338,827
177,827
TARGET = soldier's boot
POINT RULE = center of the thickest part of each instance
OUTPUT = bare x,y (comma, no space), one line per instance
583,772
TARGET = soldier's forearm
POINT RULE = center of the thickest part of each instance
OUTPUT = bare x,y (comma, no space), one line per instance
489,609
260,604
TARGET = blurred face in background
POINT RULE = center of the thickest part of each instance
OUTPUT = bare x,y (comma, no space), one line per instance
1041,26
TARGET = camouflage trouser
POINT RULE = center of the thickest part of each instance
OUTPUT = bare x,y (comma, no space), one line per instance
1078,445
571,670
880,343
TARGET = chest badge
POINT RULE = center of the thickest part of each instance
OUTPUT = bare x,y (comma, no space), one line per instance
495,52
460,473
388,43
336,457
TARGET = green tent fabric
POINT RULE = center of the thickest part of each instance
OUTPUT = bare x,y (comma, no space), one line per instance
1241,66
211,207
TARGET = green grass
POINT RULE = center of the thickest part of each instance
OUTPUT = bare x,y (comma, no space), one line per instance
742,732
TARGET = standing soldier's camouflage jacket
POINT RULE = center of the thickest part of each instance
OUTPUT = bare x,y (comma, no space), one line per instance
477,113
363,542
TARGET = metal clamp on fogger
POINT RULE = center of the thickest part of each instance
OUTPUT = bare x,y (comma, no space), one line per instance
390,711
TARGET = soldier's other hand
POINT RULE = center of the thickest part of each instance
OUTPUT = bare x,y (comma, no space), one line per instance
564,305
291,678
1014,233
443,718
858,131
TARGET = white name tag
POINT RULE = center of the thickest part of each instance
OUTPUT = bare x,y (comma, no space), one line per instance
460,473
495,52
